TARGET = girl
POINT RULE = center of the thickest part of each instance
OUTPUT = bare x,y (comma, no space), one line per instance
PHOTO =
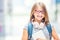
39,20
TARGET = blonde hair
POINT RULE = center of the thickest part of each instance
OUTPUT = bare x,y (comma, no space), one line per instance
45,12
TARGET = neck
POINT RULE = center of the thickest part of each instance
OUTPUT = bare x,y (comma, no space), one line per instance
39,21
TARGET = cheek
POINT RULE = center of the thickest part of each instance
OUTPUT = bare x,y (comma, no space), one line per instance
43,15
35,15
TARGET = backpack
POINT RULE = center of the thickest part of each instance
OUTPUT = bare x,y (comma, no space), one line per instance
30,28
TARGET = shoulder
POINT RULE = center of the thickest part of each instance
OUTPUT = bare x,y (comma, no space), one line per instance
53,26
50,25
27,25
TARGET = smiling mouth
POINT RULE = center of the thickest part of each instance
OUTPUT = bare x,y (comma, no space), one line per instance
39,16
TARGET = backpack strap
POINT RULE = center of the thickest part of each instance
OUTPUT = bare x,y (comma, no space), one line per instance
49,30
30,28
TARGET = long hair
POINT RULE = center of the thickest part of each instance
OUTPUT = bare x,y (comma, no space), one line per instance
32,18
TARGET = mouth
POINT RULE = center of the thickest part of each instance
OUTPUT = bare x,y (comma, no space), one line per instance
39,16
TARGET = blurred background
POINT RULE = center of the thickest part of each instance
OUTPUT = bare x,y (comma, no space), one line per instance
14,15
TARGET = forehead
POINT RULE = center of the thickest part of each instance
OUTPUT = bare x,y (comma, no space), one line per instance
38,7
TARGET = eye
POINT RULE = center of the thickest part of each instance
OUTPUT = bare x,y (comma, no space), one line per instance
35,10
41,11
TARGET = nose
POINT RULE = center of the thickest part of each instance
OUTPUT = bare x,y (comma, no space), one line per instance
39,13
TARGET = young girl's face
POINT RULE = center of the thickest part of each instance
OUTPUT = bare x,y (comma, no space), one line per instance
39,13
